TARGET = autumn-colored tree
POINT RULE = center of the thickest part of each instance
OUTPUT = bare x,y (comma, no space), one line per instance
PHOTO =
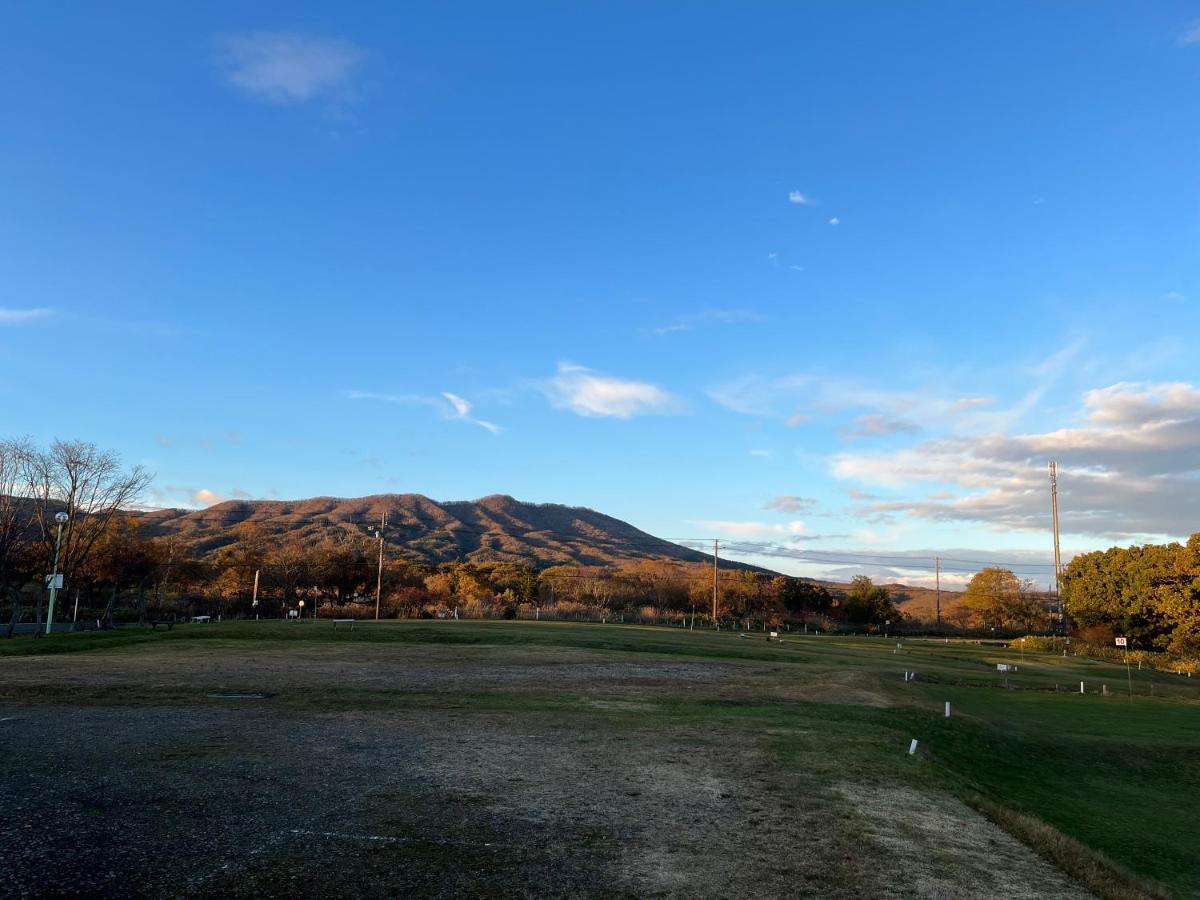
1179,599
868,603
288,566
343,567
1140,591
659,582
122,556
237,562
1001,599
801,597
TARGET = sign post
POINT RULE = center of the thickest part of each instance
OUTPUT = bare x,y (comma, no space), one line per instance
1123,643
54,581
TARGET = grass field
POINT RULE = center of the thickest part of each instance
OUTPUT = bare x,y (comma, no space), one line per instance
501,759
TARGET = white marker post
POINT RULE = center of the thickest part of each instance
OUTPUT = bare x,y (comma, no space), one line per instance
947,709
912,748
1081,690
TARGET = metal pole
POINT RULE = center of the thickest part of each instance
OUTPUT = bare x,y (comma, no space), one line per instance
54,579
1062,612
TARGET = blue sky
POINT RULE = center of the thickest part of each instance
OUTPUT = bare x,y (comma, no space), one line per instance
826,278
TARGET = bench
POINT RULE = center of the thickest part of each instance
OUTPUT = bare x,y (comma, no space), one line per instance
154,623
350,622
201,618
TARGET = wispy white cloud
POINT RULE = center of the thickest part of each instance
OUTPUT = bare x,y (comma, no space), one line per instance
708,316
286,67
10,316
449,406
462,410
835,221
799,198
760,395
589,393
799,397
762,454
1190,35
878,426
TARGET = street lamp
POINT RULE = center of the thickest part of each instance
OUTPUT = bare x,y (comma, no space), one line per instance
55,580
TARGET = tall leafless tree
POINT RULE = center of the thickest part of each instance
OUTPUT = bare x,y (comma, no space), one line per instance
87,483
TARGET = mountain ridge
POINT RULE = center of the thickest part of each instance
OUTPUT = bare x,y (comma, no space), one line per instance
493,528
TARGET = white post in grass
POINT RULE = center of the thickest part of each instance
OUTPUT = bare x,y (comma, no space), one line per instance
1081,687
912,748
947,709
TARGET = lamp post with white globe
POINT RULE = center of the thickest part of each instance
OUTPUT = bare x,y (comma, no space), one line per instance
55,580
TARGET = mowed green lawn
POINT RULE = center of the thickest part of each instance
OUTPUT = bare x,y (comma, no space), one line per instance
1118,773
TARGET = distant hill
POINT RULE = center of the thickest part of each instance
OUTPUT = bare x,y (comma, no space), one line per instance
492,529
921,602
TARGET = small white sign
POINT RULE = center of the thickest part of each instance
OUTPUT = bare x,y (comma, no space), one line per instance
54,582
1122,642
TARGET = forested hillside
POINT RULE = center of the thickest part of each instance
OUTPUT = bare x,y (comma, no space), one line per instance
492,529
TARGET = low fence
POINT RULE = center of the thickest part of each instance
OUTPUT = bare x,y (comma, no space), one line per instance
1152,659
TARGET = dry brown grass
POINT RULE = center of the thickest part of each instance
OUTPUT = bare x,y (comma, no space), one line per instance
1093,869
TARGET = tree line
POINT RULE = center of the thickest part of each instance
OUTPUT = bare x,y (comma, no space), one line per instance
113,569
1149,594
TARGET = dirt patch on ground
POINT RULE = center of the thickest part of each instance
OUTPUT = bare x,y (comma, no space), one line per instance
937,845
481,789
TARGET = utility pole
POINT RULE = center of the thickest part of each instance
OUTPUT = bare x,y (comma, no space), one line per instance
1062,612
937,574
254,599
716,548
379,576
